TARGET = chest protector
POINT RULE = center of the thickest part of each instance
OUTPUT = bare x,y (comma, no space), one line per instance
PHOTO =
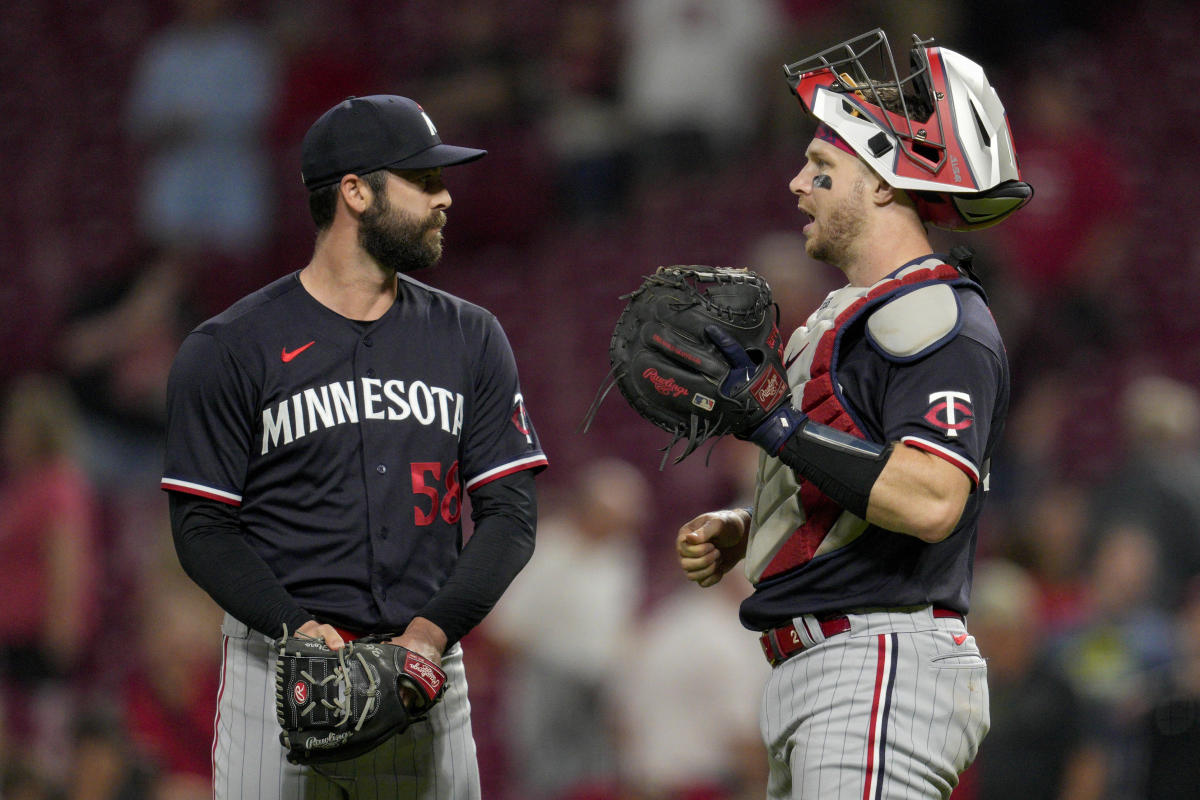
906,317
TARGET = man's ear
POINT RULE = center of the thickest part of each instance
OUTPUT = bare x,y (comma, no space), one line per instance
882,193
356,193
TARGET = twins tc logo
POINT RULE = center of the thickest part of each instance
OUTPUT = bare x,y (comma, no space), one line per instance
950,411
520,419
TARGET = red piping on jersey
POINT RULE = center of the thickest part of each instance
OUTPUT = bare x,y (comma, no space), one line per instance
199,492
473,485
822,403
171,487
967,467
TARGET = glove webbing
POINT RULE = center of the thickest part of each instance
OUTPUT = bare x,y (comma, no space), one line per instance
340,706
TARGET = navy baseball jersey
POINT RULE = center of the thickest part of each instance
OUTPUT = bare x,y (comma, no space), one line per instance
346,446
922,364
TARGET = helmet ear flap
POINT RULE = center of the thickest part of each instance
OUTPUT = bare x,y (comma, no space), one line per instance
974,211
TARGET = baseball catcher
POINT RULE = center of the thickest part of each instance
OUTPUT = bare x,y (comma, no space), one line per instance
336,705
697,352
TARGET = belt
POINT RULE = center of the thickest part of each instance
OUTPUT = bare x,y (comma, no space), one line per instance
780,644
346,635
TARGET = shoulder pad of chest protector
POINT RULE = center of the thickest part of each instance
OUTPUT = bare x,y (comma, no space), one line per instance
916,323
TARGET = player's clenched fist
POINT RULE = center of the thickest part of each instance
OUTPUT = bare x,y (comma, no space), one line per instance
711,544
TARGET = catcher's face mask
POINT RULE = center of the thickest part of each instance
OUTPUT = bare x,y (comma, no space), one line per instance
950,146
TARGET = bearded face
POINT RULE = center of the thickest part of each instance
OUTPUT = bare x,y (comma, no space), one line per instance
838,229
397,240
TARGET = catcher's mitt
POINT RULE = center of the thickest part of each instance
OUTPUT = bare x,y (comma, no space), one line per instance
672,372
334,706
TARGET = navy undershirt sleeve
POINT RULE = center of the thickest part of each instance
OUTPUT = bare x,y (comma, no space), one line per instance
505,516
213,552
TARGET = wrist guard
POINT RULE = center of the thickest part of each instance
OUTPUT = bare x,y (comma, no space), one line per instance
842,466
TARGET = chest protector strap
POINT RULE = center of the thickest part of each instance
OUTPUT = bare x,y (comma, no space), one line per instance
822,398
917,317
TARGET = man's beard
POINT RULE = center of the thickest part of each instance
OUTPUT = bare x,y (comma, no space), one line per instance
398,241
840,230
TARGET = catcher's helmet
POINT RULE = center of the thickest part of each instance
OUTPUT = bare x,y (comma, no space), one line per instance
950,147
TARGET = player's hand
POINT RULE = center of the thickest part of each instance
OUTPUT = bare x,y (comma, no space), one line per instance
711,544
424,638
326,633
774,421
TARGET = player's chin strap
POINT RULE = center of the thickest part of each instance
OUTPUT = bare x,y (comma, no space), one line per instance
964,257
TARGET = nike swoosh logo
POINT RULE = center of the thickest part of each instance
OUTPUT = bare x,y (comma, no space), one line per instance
286,356
959,638
792,360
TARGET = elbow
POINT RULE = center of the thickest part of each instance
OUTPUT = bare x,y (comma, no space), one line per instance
937,521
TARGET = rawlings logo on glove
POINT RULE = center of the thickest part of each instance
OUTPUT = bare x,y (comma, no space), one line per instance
334,706
697,352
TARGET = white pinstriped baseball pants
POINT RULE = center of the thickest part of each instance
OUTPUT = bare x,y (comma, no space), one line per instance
433,760
894,709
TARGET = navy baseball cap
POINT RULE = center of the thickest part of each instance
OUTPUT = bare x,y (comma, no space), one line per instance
364,134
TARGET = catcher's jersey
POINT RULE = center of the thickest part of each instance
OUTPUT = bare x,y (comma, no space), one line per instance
344,445
930,372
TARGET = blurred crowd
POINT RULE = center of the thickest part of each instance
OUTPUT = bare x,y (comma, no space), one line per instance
152,151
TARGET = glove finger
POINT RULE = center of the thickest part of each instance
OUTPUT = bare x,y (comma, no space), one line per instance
734,353
684,350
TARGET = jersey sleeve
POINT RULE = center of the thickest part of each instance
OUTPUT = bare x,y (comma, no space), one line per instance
209,401
500,438
944,403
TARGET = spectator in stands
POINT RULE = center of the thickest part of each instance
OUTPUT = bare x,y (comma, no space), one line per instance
1172,770
171,689
1123,648
201,94
672,743
481,79
581,120
115,348
102,765
1039,746
315,74
1156,483
692,78
48,532
1062,256
1049,538
564,623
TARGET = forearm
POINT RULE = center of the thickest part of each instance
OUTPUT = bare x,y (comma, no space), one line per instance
215,555
918,494
502,543
896,487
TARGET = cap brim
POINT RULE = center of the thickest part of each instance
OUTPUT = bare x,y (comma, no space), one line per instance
440,155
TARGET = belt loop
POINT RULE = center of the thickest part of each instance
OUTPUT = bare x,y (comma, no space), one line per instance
808,628
928,612
776,655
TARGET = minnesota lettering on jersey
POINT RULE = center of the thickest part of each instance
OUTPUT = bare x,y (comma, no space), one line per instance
323,407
